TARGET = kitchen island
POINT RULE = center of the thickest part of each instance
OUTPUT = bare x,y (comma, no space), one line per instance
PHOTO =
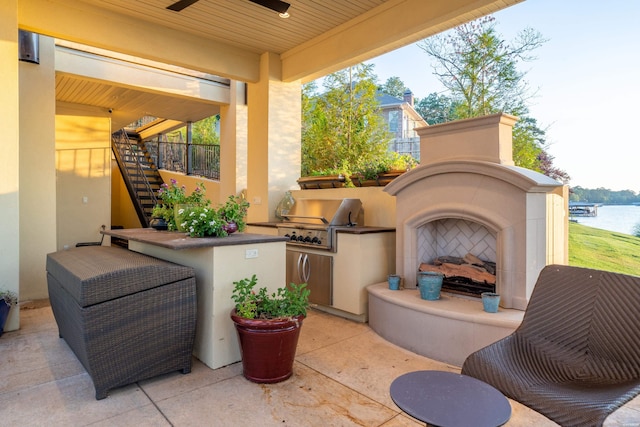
218,262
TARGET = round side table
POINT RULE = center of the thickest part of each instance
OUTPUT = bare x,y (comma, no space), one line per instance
448,399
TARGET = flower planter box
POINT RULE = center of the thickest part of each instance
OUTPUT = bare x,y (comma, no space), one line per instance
382,179
317,182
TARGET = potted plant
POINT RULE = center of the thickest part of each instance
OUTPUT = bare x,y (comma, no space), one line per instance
207,221
234,212
7,300
174,197
383,170
268,327
326,178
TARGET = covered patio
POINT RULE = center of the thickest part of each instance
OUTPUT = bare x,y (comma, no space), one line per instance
342,375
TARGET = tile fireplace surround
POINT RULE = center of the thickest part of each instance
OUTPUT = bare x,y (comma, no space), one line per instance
468,197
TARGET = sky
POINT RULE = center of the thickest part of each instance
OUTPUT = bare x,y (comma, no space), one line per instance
586,78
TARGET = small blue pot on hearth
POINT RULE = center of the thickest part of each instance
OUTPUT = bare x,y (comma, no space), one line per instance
430,284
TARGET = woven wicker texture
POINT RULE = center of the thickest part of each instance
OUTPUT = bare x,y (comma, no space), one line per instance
130,338
576,356
94,274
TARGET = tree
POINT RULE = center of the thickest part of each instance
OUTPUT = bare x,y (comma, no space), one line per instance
436,108
394,87
342,128
204,131
480,70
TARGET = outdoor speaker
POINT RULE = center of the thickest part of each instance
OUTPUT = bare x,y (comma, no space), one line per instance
28,47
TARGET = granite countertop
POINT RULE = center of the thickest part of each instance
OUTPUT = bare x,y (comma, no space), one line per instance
179,240
357,229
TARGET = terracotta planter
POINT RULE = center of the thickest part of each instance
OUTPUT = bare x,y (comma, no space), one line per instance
317,182
268,347
381,180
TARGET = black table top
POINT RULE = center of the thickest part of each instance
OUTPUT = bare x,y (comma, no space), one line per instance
448,399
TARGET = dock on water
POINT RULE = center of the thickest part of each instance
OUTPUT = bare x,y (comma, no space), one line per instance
583,209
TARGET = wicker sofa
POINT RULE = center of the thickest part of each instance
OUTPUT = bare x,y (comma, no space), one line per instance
126,316
576,356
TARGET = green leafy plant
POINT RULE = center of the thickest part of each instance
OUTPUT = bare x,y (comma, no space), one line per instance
288,301
202,221
235,210
9,297
173,194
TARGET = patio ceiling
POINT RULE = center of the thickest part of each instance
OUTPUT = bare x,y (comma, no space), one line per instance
228,37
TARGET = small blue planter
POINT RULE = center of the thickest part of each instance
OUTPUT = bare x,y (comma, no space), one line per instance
490,301
430,284
394,282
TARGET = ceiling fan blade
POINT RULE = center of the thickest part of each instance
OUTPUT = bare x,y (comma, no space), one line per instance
275,5
179,5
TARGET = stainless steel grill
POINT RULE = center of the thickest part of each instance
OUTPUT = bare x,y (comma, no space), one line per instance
313,222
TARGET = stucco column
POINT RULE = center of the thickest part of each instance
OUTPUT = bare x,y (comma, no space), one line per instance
37,170
233,142
273,163
9,170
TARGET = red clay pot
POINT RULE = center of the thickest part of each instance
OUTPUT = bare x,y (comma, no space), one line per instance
268,347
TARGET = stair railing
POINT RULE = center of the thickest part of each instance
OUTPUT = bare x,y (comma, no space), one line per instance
120,146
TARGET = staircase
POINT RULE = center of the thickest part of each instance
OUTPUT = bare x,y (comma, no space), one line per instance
140,174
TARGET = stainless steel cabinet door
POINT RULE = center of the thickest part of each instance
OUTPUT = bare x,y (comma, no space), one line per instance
315,270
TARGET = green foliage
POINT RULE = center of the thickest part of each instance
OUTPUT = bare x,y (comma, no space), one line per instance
436,108
480,69
289,301
528,139
204,131
171,195
204,220
235,210
388,162
342,128
201,221
603,250
604,195
636,230
394,87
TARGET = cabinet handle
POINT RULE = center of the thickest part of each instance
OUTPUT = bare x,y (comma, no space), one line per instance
306,268
300,271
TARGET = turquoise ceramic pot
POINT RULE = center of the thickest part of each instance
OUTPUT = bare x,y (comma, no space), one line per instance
430,284
394,282
490,302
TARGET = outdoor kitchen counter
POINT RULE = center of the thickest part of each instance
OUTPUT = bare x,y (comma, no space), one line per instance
357,229
218,262
364,255
179,240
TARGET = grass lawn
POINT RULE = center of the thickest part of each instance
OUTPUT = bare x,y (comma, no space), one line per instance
603,250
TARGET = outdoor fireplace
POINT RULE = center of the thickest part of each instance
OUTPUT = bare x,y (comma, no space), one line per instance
468,199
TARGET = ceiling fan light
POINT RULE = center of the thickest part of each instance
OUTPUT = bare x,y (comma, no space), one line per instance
284,15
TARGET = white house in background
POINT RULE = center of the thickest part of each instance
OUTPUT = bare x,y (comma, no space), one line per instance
403,120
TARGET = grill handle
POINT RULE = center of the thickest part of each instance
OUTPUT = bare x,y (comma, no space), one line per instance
321,218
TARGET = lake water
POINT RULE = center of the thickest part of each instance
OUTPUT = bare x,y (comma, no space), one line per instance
620,218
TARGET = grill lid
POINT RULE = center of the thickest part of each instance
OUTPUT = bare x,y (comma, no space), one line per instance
327,212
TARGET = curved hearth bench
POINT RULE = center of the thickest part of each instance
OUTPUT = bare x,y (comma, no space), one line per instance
448,330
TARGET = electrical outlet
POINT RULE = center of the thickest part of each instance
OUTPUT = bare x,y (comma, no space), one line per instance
251,253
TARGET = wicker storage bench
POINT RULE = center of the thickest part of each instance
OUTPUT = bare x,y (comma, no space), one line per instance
126,316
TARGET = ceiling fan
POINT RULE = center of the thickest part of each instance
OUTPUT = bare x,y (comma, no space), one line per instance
275,5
